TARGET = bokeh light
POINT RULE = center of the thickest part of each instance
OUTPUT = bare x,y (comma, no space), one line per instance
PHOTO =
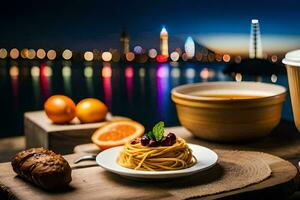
142,72
106,71
274,58
152,53
211,73
162,72
204,74
24,53
161,58
14,53
106,56
138,50
41,53
238,77
190,73
88,72
174,56
207,73
175,73
35,71
3,53
88,56
51,54
189,47
67,54
130,56
66,71
31,54
226,58
273,78
14,71
47,71
129,72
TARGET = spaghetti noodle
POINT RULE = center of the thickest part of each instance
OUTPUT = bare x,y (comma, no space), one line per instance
161,158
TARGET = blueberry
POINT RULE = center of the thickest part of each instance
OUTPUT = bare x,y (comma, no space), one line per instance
135,141
153,143
172,136
145,140
166,141
172,142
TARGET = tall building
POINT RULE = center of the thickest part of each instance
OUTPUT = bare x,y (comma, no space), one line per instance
164,49
189,47
124,43
255,47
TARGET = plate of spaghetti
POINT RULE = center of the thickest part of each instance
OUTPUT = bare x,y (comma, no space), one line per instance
157,155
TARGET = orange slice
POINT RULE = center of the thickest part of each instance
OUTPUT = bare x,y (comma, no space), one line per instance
117,133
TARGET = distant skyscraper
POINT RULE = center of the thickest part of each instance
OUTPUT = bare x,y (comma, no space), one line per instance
164,49
189,47
124,43
255,47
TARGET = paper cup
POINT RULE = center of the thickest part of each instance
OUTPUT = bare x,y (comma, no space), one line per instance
292,63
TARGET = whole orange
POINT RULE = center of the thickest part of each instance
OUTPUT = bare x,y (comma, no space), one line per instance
60,109
91,110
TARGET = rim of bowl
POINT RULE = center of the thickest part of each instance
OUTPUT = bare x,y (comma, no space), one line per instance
281,91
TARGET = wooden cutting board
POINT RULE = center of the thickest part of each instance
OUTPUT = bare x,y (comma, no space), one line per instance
87,184
62,138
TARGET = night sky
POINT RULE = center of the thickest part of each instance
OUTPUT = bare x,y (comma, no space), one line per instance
87,24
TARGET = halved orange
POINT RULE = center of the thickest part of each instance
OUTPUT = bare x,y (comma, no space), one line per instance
117,133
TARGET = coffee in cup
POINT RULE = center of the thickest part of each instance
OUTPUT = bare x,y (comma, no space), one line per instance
292,63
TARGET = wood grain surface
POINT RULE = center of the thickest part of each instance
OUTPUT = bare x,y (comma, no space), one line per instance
88,180
88,183
41,132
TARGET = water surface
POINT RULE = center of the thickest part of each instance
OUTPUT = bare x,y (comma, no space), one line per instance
139,91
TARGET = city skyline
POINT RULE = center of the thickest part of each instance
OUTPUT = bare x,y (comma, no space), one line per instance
140,54
86,25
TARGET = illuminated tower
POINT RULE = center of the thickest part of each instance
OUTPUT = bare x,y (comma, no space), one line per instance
255,47
164,49
189,47
124,43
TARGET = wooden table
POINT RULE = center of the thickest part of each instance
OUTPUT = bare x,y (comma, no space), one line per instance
284,142
88,184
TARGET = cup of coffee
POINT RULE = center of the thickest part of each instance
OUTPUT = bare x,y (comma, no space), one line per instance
292,63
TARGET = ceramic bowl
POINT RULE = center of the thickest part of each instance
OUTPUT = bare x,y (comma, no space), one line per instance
208,111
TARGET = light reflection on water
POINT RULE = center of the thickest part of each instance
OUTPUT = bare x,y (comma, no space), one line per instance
67,73
163,88
106,74
139,91
129,73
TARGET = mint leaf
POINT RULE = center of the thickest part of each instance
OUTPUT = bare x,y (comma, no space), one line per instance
150,135
158,131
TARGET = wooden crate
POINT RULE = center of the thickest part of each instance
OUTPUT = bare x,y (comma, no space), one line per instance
41,132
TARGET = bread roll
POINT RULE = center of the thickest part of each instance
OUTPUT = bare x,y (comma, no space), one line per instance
43,167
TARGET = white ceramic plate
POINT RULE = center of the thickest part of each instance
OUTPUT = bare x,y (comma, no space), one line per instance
206,158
